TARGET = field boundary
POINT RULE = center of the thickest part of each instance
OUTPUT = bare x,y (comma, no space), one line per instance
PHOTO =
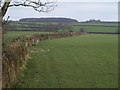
97,25
16,55
103,32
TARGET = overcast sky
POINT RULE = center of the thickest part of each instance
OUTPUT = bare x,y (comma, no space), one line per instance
82,10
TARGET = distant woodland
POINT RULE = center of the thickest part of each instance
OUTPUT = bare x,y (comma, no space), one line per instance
58,20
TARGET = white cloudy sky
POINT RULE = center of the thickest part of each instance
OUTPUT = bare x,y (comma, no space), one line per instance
82,10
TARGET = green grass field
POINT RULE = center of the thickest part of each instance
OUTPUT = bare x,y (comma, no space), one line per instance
96,28
100,24
89,27
88,61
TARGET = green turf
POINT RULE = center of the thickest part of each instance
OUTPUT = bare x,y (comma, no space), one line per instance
88,61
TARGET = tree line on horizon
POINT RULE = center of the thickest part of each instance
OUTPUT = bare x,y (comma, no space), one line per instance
58,20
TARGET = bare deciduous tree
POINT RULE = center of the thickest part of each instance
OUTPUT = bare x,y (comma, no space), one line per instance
38,5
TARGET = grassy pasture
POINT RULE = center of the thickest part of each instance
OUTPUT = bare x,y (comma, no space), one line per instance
87,61
95,28
89,27
100,24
